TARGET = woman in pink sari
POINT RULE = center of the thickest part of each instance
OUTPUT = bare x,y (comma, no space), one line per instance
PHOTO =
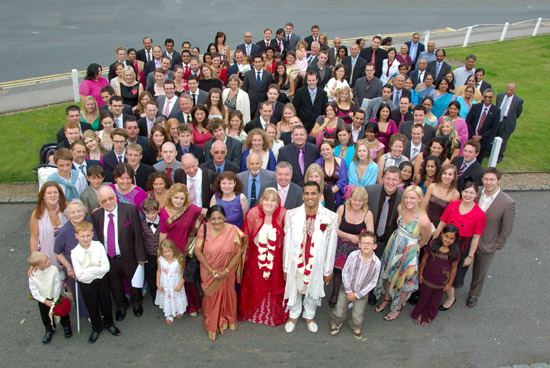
179,222
220,252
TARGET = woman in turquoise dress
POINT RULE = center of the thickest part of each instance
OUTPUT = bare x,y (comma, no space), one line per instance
398,277
345,147
362,170
442,97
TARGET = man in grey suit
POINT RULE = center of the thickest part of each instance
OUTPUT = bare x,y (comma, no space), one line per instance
333,51
367,87
169,103
290,193
439,67
234,146
165,64
500,211
354,64
291,39
511,107
255,179
169,164
197,95
383,202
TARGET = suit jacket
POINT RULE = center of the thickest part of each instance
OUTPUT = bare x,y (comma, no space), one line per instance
150,80
406,127
358,70
404,92
142,175
286,137
306,111
321,83
472,173
500,223
142,125
229,166
176,58
414,76
109,162
257,124
196,150
489,128
277,112
288,154
514,112
234,150
291,45
362,134
360,90
374,192
445,68
149,67
89,198
407,152
293,197
175,111
309,40
396,116
140,55
112,71
201,99
161,166
130,235
254,50
208,177
419,49
381,54
142,141
60,136
267,179
484,86
255,94
263,47
332,56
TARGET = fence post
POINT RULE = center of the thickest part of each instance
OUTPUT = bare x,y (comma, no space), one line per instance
497,142
468,34
75,85
427,37
536,27
504,30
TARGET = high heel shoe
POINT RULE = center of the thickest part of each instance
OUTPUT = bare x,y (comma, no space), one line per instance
442,308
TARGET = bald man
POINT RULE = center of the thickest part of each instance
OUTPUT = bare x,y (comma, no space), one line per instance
169,164
511,107
219,162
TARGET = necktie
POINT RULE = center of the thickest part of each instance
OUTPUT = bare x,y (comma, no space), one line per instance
352,67
280,46
504,107
312,95
248,49
119,159
111,247
282,196
258,79
152,224
301,160
148,56
315,39
420,77
437,70
396,99
192,193
218,171
381,229
373,57
288,38
266,44
462,169
482,120
194,98
188,118
415,152
169,172
117,122
186,68
166,108
253,193
82,169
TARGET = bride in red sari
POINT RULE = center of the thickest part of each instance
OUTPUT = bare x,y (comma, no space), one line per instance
262,289
179,222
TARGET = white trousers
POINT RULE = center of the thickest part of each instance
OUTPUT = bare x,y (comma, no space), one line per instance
310,305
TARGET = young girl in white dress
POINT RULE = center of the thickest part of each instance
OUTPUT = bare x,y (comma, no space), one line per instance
171,296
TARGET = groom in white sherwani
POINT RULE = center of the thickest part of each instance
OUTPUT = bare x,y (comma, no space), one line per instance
311,232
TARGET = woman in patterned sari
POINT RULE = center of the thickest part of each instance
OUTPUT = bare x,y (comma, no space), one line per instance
220,252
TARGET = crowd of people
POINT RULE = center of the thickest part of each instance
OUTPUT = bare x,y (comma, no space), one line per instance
237,184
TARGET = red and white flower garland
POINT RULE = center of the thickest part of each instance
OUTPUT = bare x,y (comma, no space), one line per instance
306,266
266,249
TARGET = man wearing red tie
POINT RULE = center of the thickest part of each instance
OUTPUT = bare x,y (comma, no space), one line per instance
483,121
313,38
267,41
280,40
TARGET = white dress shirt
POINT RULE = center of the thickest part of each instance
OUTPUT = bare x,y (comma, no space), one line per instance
197,187
486,201
90,264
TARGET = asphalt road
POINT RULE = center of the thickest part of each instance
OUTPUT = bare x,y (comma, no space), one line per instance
49,37
508,326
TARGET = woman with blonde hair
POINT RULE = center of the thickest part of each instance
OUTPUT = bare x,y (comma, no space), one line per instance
362,170
446,131
283,126
207,79
171,129
235,99
129,88
90,112
343,98
301,58
93,145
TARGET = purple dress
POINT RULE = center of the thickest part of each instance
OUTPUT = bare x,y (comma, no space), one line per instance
384,137
338,177
233,210
435,209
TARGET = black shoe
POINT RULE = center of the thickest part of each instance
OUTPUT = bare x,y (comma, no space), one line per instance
138,311
68,332
372,299
120,315
413,299
93,337
471,302
113,330
47,337
442,308
332,301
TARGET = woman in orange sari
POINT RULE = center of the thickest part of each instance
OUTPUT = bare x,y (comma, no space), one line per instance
219,248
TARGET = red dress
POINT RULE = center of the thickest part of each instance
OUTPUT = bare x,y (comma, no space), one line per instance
261,295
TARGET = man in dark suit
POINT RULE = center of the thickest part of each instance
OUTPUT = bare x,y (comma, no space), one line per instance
117,108
354,64
375,54
169,103
256,83
384,200
116,155
511,107
289,193
80,164
483,122
314,37
121,58
438,68
273,99
234,146
219,162
150,66
238,56
310,101
286,137
399,90
291,39
333,51
418,74
132,129
415,47
146,53
185,136
414,145
72,114
267,41
175,57
482,85
197,95
367,87
248,48
280,42
146,123
357,127
134,153
198,180
322,69
264,118
468,168
118,227
419,116
255,179
403,112
500,212
299,154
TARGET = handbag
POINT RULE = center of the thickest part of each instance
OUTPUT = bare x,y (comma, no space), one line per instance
191,270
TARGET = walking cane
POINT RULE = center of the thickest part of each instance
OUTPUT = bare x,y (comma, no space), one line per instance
77,309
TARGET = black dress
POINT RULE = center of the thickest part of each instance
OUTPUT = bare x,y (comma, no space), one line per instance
130,94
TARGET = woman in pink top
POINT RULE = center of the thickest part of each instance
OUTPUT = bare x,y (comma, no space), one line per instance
92,84
199,125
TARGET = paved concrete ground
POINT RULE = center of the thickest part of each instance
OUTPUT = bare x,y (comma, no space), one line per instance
508,326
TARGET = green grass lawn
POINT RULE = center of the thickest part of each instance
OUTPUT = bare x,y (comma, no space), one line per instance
525,62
